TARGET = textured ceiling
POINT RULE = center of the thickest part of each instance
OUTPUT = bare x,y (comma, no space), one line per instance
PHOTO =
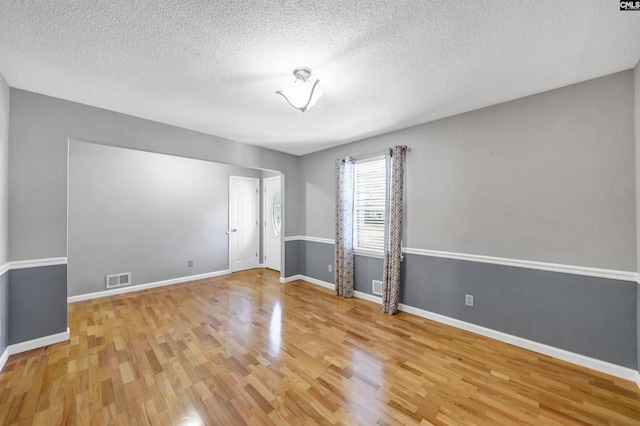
213,66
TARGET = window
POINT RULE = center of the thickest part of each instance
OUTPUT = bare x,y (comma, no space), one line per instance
369,201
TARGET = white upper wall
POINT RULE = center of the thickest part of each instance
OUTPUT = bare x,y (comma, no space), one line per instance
548,178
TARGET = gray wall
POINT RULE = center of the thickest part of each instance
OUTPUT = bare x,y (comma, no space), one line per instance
144,213
546,178
292,252
636,80
549,178
37,302
4,168
39,129
594,317
4,174
4,311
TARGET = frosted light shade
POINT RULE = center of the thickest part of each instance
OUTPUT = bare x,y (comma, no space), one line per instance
302,95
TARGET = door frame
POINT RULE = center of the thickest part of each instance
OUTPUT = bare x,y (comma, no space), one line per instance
264,218
257,180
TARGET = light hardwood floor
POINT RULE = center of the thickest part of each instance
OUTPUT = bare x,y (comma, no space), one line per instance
245,349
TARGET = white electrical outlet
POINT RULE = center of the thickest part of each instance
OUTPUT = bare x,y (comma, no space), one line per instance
190,262
469,300
330,268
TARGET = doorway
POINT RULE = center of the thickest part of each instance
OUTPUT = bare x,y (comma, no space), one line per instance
244,233
272,227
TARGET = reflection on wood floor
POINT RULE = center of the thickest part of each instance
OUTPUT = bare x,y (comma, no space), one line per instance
245,349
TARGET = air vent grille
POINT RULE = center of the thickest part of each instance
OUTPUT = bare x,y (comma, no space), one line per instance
118,280
376,287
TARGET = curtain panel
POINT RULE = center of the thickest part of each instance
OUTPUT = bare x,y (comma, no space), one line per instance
395,163
343,256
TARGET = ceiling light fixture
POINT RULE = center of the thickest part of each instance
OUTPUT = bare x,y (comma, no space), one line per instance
303,93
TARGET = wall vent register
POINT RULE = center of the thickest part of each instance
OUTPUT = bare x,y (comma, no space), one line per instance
118,280
376,287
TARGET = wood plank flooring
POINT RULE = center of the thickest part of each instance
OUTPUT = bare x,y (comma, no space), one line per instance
245,349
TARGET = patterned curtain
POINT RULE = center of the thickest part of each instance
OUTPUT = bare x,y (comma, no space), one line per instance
343,261
393,229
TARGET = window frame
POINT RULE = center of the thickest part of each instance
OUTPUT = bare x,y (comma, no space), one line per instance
380,182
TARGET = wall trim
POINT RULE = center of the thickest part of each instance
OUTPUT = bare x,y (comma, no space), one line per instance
518,263
36,263
562,354
32,263
530,264
314,239
138,287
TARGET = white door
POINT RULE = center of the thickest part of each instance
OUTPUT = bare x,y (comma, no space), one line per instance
243,223
272,226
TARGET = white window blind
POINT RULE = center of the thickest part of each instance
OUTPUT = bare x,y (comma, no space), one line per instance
369,204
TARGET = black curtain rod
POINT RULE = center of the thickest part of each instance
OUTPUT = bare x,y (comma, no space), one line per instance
375,154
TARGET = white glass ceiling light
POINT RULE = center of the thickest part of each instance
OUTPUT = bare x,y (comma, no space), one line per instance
303,93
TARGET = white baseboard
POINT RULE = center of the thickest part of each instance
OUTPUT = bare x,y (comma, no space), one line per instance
39,342
574,358
33,344
320,283
584,361
370,297
358,294
310,280
3,358
139,287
